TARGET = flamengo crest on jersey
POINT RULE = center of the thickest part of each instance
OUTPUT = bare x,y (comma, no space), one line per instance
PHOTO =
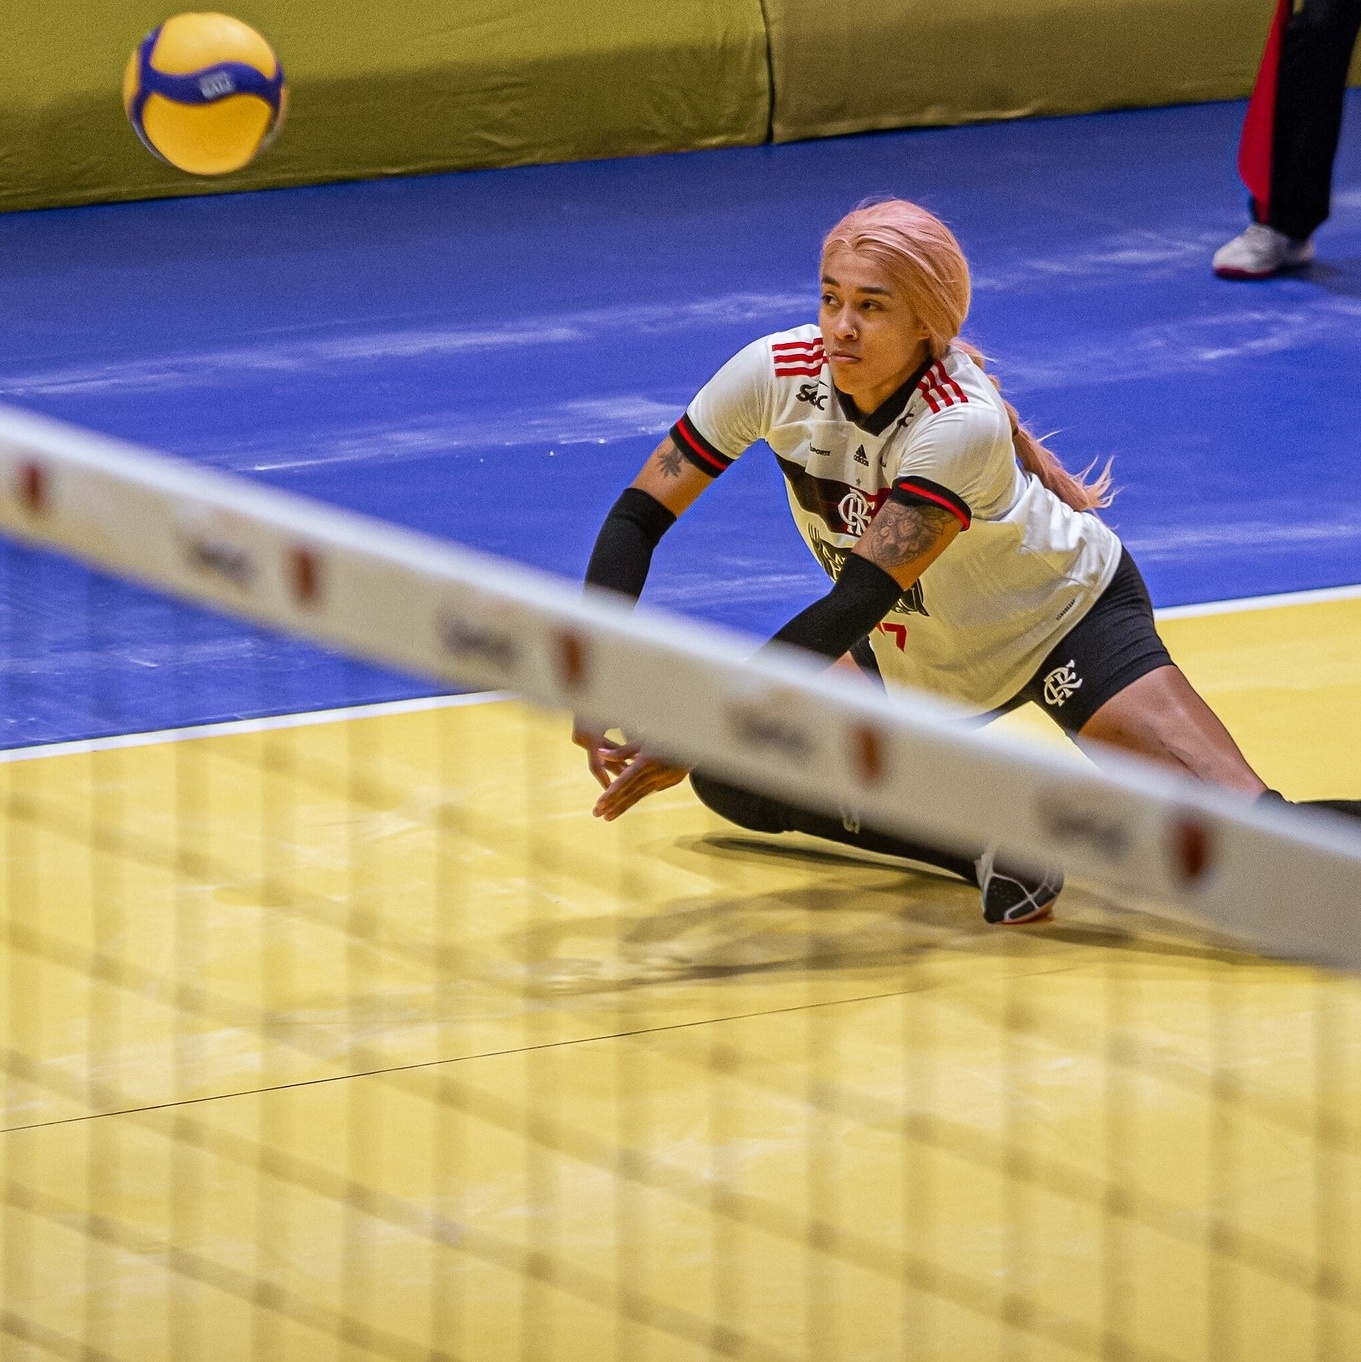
983,616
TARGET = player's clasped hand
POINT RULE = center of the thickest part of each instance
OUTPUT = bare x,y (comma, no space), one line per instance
604,756
626,773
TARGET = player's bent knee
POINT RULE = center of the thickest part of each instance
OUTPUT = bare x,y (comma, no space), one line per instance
747,810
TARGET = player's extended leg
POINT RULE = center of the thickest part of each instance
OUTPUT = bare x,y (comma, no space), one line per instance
1160,716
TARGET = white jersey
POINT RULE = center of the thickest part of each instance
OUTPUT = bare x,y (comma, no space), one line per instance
1026,568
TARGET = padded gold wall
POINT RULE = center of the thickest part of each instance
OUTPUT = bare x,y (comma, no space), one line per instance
413,85
864,64
426,85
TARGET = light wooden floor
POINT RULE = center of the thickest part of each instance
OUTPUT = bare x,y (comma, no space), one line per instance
361,1039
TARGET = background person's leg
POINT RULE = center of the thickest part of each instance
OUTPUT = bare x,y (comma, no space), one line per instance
1290,135
1316,53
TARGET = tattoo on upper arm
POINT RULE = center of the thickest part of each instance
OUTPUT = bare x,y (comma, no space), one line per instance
670,460
899,534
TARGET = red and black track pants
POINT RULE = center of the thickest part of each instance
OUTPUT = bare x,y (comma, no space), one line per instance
1295,114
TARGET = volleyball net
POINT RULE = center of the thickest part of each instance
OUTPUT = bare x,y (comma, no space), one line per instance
353,1034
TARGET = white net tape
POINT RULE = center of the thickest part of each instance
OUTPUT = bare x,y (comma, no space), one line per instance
1285,880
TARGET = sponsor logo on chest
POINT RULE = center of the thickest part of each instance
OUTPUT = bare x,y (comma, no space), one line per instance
832,480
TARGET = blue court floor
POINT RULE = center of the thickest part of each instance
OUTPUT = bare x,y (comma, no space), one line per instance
489,356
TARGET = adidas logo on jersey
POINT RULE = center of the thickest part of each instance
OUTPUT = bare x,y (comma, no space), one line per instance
862,457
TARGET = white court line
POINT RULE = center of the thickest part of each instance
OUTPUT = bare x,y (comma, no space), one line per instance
331,716
1331,593
265,725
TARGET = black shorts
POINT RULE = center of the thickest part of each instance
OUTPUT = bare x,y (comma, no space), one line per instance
1113,644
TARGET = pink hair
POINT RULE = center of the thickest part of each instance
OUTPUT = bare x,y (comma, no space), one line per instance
923,259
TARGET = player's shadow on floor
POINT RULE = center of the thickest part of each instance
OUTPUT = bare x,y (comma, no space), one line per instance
1130,933
858,913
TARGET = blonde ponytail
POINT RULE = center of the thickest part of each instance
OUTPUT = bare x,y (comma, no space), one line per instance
1037,458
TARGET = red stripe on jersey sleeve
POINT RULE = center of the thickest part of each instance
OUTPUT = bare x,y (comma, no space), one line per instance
954,387
697,449
797,353
798,359
943,395
912,489
939,389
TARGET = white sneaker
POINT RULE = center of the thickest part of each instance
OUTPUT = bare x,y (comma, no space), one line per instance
1260,251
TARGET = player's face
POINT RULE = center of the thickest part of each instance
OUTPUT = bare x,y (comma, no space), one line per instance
873,339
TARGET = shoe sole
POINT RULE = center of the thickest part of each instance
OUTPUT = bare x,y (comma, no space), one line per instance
1229,272
1039,915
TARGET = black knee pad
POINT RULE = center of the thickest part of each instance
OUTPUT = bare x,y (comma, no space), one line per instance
1350,807
747,810
760,813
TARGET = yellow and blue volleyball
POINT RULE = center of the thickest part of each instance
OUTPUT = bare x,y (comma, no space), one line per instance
205,92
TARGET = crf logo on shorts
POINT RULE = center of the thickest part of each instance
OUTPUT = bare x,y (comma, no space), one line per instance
855,512
1060,684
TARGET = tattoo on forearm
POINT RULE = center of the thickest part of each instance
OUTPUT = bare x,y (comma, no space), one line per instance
899,534
670,460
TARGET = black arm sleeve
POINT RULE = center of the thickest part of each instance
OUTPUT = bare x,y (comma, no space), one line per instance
623,548
864,593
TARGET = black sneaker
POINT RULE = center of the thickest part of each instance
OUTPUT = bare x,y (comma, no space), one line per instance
1011,897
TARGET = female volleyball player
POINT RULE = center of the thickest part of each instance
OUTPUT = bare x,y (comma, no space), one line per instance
973,562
